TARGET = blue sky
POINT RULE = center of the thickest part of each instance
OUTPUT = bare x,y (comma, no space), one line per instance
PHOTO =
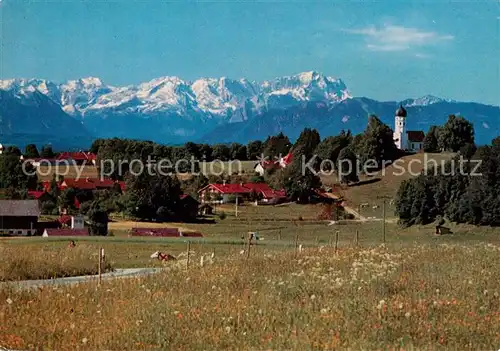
387,50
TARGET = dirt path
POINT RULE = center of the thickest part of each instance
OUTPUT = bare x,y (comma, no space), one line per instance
119,273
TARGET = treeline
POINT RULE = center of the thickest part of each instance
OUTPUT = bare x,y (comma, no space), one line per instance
465,190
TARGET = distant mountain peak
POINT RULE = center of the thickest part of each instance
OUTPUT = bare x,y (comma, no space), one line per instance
425,101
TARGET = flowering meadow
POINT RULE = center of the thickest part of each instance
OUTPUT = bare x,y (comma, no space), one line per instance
427,296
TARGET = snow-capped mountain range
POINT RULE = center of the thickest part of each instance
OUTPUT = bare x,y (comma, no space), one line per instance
216,97
173,110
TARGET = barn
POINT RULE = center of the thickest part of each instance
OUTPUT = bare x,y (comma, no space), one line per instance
18,217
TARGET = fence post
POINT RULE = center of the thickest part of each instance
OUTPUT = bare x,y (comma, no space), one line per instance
99,267
248,245
188,249
336,241
357,238
296,243
383,209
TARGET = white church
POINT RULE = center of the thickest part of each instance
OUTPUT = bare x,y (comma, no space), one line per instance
411,140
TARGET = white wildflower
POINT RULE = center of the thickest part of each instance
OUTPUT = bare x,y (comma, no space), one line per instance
324,311
313,297
85,340
9,301
407,314
400,306
228,329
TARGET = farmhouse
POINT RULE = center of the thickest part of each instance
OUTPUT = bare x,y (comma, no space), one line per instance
18,217
222,193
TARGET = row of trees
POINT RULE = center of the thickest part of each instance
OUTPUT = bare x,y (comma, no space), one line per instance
458,191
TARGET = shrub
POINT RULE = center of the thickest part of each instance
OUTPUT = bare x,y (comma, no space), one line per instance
222,215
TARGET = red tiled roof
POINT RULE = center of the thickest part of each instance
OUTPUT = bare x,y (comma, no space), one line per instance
78,184
246,188
230,188
77,156
122,185
416,136
36,194
257,186
64,219
66,232
89,183
287,159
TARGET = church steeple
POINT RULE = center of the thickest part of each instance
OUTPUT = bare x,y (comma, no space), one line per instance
401,112
400,138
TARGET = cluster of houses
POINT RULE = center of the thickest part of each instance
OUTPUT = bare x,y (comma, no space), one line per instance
21,218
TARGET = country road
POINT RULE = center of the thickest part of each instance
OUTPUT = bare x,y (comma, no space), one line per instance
118,273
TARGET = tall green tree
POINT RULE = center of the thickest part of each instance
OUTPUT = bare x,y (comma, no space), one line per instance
16,175
455,133
221,152
254,149
147,193
301,176
275,146
31,151
431,140
376,144
347,166
329,148
47,152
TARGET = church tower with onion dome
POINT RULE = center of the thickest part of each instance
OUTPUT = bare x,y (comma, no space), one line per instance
400,136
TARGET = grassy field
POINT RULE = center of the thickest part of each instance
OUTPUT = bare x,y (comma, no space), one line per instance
45,173
47,261
385,183
425,296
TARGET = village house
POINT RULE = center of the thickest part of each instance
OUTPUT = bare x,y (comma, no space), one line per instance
261,167
18,217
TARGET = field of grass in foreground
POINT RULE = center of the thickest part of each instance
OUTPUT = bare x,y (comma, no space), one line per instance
415,297
41,262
